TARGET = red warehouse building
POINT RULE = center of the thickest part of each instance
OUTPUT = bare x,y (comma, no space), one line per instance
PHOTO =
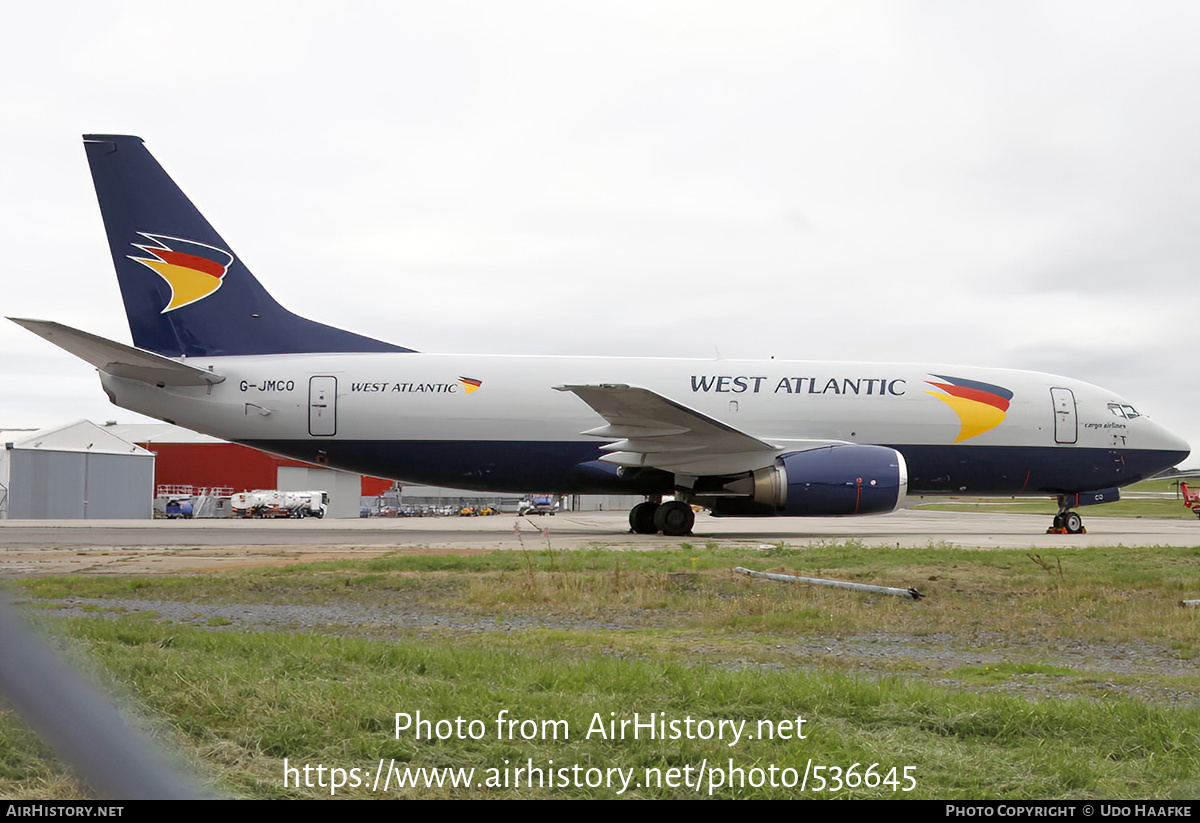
187,458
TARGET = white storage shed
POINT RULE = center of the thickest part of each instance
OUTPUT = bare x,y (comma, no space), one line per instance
78,471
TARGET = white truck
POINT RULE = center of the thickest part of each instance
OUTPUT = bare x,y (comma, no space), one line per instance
271,503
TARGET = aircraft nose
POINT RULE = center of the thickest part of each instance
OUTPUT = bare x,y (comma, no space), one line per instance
1170,442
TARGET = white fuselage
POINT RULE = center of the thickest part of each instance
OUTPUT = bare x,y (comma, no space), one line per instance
394,414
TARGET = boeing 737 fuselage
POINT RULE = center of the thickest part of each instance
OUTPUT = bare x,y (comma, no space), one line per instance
215,353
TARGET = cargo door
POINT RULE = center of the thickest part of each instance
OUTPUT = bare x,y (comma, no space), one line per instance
322,406
1066,425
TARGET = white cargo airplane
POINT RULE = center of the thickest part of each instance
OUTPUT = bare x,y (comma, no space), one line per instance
214,352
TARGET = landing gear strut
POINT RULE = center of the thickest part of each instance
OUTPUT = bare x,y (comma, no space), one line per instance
673,518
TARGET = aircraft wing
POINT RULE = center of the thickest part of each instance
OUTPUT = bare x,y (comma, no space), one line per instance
118,359
649,430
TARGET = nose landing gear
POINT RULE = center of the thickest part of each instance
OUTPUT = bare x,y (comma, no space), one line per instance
1066,522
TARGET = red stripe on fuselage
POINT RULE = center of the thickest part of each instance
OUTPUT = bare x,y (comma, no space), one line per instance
974,394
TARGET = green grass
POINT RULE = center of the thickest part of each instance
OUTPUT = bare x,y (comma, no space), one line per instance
245,702
1064,675
1165,508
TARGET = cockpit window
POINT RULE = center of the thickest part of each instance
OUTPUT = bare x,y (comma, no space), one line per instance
1115,408
1130,411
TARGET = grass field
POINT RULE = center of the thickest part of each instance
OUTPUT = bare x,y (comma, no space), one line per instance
1063,675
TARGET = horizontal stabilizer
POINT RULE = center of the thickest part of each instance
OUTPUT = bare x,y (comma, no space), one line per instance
118,359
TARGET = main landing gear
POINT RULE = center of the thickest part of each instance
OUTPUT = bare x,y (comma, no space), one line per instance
1066,521
673,518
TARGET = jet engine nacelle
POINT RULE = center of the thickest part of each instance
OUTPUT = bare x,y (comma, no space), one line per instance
831,481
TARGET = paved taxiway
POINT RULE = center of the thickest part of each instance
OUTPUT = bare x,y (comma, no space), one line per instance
140,547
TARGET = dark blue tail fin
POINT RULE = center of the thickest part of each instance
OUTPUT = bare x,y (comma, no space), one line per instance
185,291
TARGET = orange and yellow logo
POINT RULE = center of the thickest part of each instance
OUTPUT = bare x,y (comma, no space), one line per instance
192,270
470,384
980,407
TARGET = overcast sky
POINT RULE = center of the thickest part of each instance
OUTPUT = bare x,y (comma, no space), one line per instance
997,184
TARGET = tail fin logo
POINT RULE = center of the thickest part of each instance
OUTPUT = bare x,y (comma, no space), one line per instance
192,270
980,407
